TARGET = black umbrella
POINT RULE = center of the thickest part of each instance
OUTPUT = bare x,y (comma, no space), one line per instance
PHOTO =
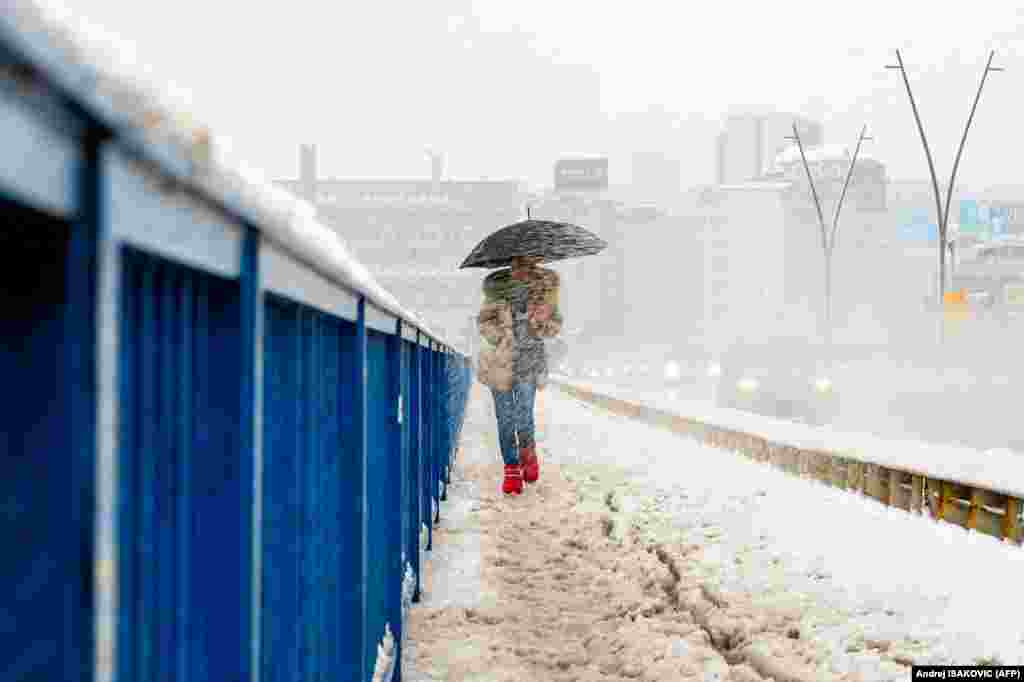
545,240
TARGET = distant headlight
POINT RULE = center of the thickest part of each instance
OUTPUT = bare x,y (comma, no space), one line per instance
747,385
823,385
673,371
715,370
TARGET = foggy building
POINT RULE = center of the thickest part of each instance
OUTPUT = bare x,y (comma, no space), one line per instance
593,292
745,259
413,233
750,142
912,212
360,192
594,295
764,267
307,188
657,178
829,165
997,211
664,278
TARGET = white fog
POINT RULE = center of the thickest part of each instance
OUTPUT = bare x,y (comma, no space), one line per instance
788,273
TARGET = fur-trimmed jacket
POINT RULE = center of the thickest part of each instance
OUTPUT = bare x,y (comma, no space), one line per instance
513,335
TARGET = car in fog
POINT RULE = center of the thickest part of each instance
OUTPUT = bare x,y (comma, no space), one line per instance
967,247
674,369
994,278
1005,252
781,378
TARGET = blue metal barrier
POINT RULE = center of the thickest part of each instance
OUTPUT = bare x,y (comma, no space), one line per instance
416,459
383,454
429,448
45,448
185,486
311,495
446,425
218,454
435,437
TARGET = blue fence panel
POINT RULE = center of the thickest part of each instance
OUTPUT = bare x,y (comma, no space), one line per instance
452,413
423,423
444,399
314,601
311,523
395,486
183,539
451,392
410,524
383,469
439,398
405,494
46,445
438,407
284,453
431,405
415,460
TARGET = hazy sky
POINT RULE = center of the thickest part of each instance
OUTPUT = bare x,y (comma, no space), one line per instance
505,87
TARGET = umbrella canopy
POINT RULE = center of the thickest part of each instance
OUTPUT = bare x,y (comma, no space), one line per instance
544,240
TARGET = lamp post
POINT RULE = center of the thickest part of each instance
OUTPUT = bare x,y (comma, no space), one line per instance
943,211
828,237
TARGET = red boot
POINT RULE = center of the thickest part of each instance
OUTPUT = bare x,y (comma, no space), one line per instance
531,467
513,483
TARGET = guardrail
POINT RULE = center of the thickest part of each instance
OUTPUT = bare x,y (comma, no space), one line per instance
223,445
982,506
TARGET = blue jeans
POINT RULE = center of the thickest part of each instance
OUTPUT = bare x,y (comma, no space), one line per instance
514,409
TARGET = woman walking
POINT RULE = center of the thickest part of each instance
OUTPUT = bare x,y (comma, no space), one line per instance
520,310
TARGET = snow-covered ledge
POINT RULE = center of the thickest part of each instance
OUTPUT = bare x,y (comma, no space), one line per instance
981,491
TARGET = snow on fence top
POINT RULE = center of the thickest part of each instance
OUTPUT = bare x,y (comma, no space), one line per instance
100,73
1000,471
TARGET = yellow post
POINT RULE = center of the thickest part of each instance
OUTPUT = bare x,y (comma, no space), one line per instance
955,311
945,490
916,494
959,296
1011,529
972,511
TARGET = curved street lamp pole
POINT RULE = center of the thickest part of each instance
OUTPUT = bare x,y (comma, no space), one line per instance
828,238
943,212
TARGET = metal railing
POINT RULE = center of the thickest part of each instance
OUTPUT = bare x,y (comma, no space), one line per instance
222,438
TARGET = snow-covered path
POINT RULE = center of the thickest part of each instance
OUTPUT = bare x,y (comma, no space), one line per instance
892,576
671,553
